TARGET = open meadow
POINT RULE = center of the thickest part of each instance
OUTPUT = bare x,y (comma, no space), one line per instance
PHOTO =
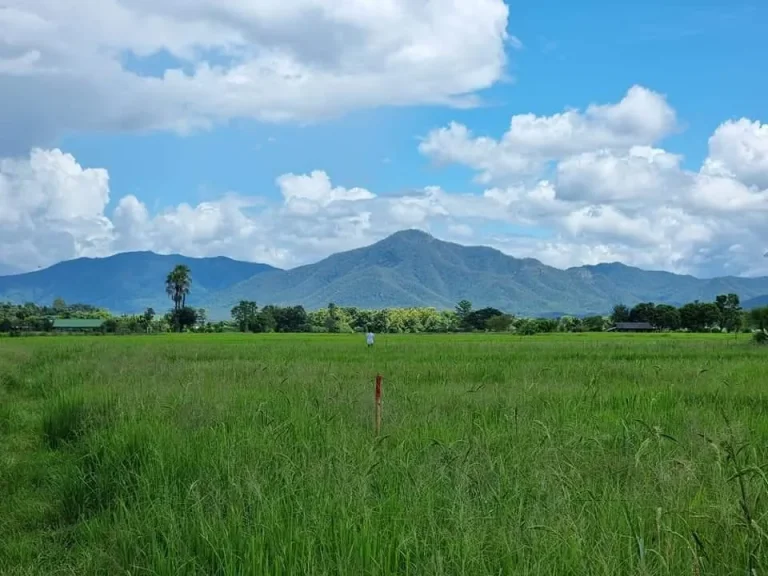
255,454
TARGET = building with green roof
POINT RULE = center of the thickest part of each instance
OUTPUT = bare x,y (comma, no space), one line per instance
77,325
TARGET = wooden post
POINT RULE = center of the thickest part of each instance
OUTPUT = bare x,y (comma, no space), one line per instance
377,399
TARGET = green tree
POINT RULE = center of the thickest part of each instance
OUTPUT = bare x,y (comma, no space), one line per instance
431,320
690,317
463,309
666,317
146,319
360,320
620,313
202,317
332,320
290,319
699,316
178,284
110,326
412,321
183,318
244,314
758,318
379,321
501,323
643,312
569,324
546,325
478,319
396,317
265,320
593,323
729,307
526,327
449,321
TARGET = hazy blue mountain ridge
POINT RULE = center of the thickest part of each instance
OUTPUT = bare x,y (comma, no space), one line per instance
409,268
757,302
127,282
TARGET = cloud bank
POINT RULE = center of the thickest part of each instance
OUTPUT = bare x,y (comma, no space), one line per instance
137,65
577,187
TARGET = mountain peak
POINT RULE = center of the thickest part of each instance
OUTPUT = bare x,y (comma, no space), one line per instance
125,282
410,235
407,268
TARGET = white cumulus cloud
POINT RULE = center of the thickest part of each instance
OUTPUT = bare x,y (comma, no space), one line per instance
308,194
599,186
51,209
642,117
270,60
603,196
740,149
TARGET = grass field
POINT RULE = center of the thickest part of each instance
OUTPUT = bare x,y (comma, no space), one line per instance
230,454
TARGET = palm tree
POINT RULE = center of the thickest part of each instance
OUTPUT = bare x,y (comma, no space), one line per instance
177,285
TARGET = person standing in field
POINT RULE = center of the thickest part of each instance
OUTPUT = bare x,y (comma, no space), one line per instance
369,338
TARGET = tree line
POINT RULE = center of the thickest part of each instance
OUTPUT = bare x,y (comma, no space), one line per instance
723,315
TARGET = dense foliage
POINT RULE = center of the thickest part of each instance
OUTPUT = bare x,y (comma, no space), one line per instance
408,269
722,315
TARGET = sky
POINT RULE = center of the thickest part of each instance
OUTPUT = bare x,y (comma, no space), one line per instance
281,131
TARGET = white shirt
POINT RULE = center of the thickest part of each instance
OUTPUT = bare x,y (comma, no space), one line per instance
369,338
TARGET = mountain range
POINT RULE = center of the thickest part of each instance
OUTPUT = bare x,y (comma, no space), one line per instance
128,282
409,268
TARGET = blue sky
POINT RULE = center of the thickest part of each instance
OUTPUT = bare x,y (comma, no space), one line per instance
705,57
702,59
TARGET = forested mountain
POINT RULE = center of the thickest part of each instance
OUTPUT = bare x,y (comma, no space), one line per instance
409,268
757,302
128,282
412,268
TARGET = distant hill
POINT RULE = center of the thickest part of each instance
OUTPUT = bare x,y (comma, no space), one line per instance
128,282
6,270
409,268
412,268
758,302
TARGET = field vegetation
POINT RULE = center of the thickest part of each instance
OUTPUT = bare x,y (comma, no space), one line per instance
208,454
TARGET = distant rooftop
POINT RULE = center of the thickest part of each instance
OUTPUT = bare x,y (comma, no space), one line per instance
632,326
77,323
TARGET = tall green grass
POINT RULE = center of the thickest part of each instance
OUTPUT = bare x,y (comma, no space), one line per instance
233,454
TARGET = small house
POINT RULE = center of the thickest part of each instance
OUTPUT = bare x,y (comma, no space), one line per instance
77,325
632,327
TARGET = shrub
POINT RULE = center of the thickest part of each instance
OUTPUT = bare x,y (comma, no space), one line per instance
10,381
69,418
760,337
64,421
108,472
6,418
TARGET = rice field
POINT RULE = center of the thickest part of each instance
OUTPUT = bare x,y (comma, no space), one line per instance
256,454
